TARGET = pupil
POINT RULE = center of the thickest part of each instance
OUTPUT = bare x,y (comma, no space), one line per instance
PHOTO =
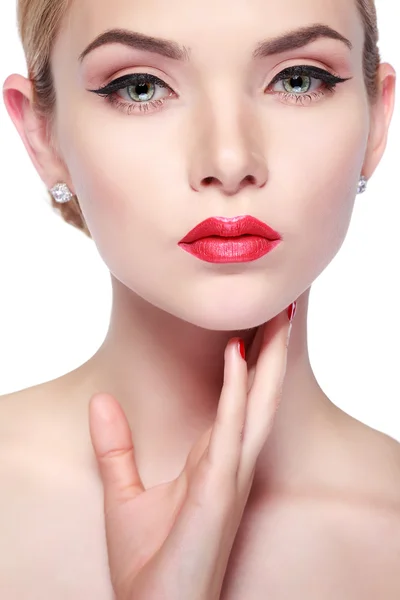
296,81
141,91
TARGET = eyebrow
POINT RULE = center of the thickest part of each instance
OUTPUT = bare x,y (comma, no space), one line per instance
292,40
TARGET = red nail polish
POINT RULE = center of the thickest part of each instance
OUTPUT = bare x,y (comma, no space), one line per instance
291,311
242,349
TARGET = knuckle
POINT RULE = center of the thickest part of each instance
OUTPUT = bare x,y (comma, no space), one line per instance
115,453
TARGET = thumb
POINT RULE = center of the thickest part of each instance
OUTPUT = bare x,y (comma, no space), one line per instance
112,442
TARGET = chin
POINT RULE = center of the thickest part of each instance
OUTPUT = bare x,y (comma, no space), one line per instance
228,316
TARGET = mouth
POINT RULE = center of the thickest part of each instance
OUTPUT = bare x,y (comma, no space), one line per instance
230,227
224,240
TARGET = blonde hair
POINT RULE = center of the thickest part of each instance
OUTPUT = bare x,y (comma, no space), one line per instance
38,24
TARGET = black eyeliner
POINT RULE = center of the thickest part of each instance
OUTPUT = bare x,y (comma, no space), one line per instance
129,80
133,79
309,71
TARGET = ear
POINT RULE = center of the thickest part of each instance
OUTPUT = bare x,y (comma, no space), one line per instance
34,131
381,116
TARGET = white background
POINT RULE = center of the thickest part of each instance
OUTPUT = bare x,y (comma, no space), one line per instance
55,292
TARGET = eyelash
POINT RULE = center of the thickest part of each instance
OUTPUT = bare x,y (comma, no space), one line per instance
110,90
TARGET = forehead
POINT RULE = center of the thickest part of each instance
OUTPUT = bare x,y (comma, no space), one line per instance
202,25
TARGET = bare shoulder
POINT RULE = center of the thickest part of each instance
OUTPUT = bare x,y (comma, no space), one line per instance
370,462
36,440
362,505
24,404
364,519
20,415
352,499
51,514
44,421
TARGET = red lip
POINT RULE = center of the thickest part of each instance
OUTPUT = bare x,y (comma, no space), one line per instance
226,227
223,240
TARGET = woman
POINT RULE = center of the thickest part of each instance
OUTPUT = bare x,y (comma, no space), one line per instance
143,126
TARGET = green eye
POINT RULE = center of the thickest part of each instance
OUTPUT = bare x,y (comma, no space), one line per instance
140,91
299,84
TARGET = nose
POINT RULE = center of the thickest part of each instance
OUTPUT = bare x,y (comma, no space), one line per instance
228,154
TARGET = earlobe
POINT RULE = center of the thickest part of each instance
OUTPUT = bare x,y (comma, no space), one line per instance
381,116
18,95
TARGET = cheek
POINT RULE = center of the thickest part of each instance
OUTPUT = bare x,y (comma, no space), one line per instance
133,195
116,174
317,170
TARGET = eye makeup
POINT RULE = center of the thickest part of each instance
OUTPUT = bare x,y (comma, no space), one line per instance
299,77
133,81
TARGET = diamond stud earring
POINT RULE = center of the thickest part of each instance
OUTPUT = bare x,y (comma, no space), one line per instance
61,193
362,185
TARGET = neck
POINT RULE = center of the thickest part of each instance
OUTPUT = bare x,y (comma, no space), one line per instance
167,375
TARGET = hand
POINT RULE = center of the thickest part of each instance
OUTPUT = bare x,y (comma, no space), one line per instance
173,541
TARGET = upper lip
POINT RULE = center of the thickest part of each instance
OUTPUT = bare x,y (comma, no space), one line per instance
230,227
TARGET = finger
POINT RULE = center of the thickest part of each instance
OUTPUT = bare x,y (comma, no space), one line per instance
112,442
225,442
253,353
266,391
255,346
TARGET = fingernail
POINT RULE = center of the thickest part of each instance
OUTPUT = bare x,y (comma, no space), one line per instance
291,311
242,349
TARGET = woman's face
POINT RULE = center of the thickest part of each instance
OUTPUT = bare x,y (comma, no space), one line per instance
217,140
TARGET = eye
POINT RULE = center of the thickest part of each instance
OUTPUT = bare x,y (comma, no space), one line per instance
297,82
140,92
141,88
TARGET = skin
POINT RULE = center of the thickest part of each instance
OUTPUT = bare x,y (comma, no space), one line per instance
172,314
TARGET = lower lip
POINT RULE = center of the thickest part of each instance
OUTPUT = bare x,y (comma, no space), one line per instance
230,249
